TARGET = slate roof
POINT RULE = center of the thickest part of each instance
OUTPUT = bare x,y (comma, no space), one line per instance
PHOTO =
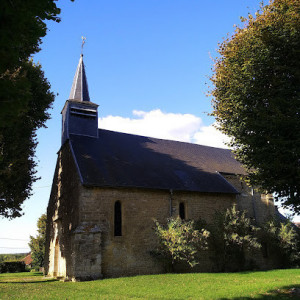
79,90
124,160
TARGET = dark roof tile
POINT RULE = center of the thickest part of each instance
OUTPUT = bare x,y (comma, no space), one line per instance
124,160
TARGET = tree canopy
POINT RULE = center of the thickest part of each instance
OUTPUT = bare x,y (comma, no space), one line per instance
22,25
25,97
18,140
256,98
37,244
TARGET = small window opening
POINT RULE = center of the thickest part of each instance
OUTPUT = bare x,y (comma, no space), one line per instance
181,210
118,219
84,113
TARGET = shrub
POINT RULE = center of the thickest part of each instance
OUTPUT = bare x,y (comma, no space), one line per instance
12,267
232,240
232,237
281,243
179,241
33,270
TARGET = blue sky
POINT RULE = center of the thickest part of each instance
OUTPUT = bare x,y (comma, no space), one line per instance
147,64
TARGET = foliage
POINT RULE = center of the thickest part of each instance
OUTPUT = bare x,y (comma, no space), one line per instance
232,238
10,257
18,142
256,97
179,241
24,97
22,27
246,285
280,243
12,266
37,244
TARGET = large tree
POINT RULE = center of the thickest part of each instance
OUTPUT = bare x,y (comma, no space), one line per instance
37,244
22,25
25,97
256,98
18,140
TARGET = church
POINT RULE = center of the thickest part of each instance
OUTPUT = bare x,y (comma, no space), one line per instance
108,187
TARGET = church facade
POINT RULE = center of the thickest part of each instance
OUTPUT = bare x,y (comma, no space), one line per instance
109,186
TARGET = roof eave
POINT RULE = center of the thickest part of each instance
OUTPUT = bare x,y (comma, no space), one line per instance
93,185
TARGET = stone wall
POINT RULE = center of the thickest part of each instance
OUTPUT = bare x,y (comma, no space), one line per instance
87,254
62,217
129,254
259,206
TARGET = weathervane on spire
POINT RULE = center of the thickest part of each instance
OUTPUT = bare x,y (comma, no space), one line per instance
83,42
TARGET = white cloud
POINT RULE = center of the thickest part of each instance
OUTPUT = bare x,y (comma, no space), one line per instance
210,136
155,123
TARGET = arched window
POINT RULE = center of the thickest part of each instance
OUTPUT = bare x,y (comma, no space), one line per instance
181,210
118,219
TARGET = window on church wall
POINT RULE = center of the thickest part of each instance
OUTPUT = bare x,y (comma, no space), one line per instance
118,219
182,210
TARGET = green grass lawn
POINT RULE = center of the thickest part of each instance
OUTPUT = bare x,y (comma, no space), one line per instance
245,285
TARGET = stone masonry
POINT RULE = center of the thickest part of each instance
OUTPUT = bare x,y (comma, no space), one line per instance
87,246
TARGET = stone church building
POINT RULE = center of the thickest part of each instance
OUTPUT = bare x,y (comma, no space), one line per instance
109,186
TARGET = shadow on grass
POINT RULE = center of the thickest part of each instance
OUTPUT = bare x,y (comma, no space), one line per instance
253,271
284,292
36,274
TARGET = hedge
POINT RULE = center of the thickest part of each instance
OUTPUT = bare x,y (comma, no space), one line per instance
12,266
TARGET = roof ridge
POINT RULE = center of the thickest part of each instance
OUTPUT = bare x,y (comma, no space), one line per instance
168,140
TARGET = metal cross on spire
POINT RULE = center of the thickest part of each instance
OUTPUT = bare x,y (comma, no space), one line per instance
83,42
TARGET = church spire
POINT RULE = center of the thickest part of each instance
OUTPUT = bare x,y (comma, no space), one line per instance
79,115
79,90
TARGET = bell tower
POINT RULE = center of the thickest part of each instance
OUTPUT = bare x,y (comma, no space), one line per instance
79,115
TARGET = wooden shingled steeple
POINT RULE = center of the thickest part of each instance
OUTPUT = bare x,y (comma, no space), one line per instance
79,115
79,90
